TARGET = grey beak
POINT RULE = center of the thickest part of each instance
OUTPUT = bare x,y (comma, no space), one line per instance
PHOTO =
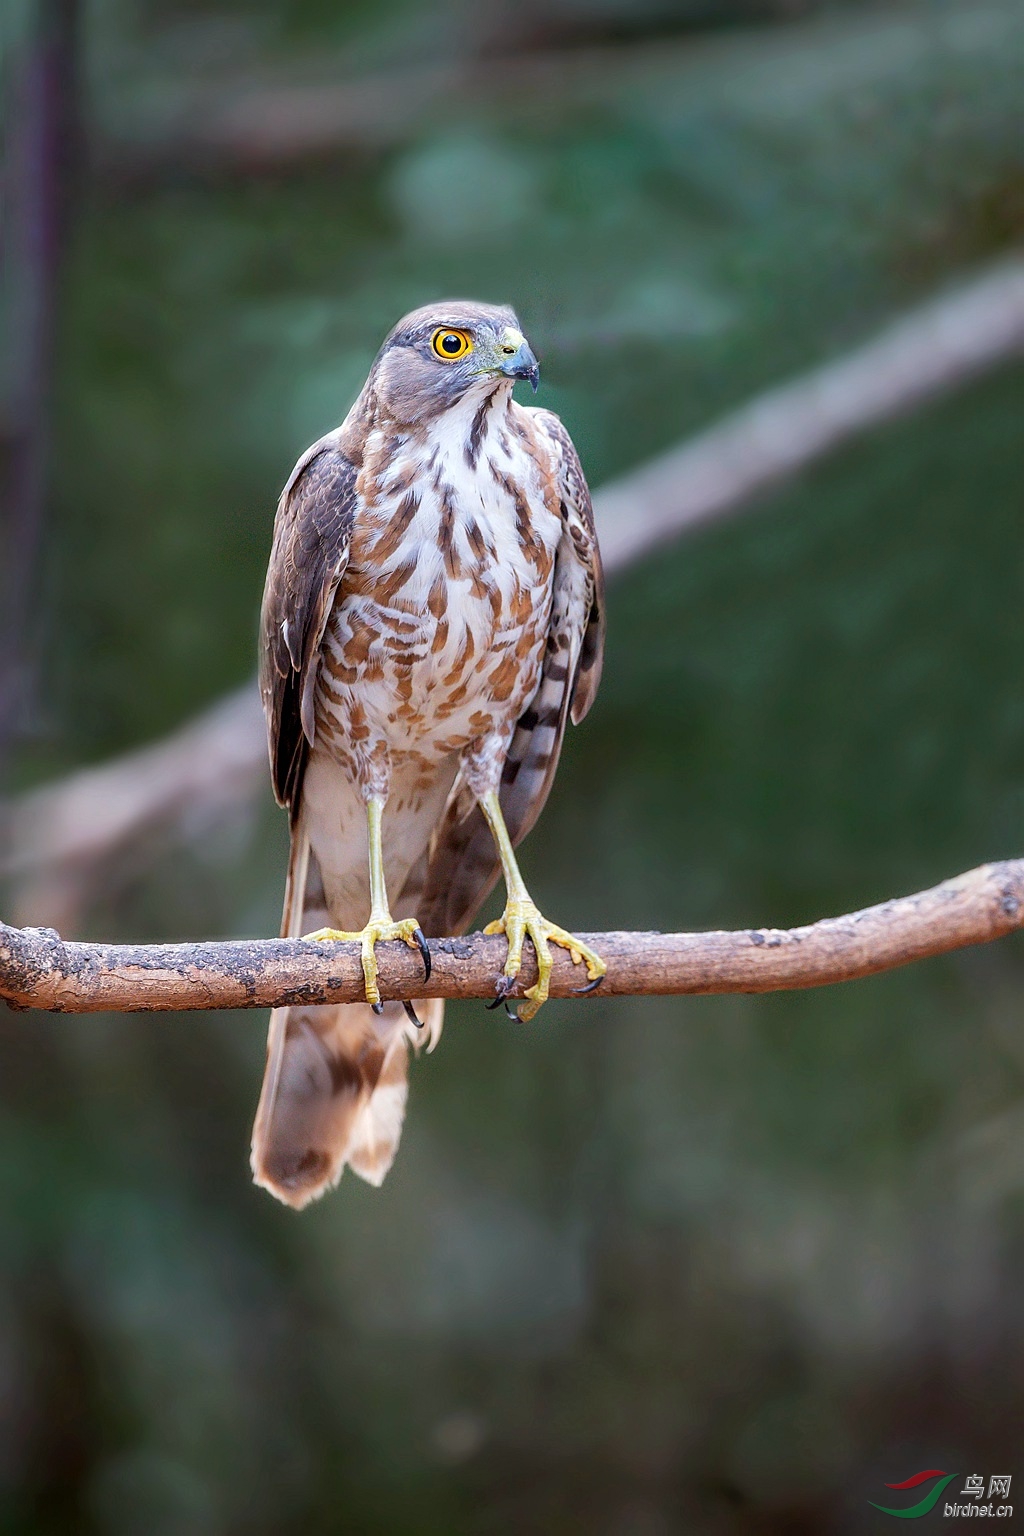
523,365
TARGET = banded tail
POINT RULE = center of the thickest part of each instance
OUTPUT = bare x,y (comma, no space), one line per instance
335,1085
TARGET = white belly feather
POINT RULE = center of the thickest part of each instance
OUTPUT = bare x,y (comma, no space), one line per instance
427,677
435,643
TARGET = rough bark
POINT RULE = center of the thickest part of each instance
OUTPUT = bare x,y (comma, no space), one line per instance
39,970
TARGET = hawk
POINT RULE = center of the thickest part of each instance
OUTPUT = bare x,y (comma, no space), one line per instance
433,615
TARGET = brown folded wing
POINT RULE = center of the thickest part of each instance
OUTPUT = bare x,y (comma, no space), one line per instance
310,551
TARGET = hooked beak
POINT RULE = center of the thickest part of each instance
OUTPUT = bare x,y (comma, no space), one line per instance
522,365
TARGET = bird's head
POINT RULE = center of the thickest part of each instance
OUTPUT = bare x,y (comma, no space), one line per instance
440,353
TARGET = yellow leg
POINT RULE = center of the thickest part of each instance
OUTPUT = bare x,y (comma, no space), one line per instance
381,925
521,919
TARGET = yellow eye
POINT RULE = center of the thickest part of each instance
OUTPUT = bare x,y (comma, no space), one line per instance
449,346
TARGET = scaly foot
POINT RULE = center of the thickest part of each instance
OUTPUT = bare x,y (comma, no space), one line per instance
377,931
521,919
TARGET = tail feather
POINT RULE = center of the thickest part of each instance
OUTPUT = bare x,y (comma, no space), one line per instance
323,1065
335,1085
374,1136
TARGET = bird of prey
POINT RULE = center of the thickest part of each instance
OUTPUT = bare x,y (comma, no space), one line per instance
433,614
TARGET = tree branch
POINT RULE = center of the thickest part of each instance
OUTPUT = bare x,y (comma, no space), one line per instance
39,970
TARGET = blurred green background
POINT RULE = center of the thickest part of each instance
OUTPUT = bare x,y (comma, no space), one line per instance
706,1266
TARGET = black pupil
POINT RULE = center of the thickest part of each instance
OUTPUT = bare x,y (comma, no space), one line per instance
451,344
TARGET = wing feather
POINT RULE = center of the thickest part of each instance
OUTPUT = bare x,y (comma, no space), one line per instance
310,551
463,865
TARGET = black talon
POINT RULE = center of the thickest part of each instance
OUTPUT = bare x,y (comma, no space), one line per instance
424,950
377,1007
511,1012
591,986
503,986
411,1011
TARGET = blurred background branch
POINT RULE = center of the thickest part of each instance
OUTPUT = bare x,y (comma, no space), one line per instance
942,345
39,970
525,63
99,826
